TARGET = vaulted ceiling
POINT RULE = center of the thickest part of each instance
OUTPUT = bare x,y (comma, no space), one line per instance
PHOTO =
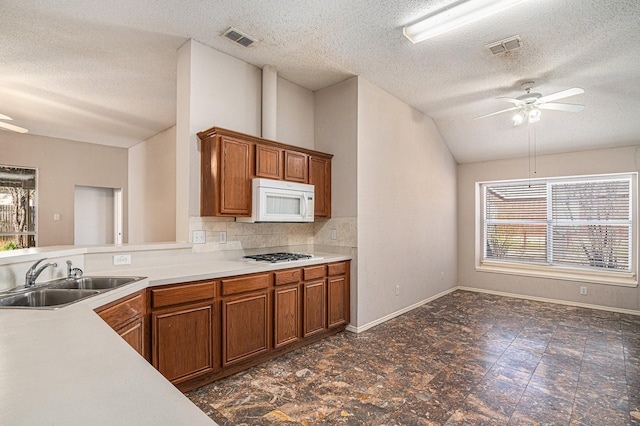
105,72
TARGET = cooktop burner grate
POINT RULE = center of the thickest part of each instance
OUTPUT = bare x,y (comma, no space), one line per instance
278,257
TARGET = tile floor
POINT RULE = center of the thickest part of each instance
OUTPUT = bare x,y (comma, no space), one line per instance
466,358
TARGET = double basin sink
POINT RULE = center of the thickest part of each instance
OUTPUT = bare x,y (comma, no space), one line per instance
62,292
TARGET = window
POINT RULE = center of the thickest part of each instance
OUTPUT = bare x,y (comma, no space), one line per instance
571,228
17,207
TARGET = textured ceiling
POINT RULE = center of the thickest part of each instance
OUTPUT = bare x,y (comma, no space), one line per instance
105,72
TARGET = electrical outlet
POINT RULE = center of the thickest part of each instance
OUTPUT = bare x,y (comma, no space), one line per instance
583,290
441,276
121,259
199,237
334,234
222,238
397,290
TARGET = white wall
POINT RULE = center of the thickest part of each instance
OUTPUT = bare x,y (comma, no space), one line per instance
336,132
295,117
63,164
152,189
572,164
406,206
218,90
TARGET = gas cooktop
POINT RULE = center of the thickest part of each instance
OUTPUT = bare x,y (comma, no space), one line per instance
279,257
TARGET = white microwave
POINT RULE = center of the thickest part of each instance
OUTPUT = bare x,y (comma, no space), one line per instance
280,201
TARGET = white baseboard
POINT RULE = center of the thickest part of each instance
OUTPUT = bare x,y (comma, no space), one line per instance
547,300
386,318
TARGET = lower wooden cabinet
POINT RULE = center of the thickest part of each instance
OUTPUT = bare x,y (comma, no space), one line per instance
127,318
197,332
245,327
183,341
315,306
182,330
338,304
286,315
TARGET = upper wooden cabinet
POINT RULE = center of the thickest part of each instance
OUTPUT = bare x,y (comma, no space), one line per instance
229,160
320,177
268,162
295,166
226,171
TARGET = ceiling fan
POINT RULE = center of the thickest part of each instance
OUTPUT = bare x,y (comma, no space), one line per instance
530,104
11,126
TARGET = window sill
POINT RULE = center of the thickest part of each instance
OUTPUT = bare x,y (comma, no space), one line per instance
620,279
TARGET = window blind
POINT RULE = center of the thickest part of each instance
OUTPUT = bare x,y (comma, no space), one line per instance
571,223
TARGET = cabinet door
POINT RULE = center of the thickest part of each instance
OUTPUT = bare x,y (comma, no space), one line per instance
268,162
338,301
183,342
320,178
314,307
235,177
133,334
295,166
245,327
286,315
126,317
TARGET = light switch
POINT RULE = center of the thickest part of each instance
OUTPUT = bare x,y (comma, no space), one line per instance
56,216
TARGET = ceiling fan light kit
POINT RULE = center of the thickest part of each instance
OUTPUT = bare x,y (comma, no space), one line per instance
530,104
458,14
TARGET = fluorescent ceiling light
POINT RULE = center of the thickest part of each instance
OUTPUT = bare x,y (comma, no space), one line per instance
455,16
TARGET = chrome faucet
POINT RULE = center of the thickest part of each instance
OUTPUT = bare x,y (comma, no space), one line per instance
34,272
73,272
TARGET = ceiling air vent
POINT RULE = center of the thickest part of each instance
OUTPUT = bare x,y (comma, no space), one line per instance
238,36
505,45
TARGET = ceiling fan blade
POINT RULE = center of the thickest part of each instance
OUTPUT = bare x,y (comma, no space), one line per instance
559,95
562,107
497,112
5,117
508,99
12,127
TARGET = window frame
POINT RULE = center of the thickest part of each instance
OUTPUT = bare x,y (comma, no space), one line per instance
554,271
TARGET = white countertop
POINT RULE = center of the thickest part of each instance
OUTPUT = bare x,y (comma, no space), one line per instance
68,367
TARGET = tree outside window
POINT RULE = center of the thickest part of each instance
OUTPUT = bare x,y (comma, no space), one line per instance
17,207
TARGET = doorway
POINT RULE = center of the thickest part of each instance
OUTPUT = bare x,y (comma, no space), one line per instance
97,215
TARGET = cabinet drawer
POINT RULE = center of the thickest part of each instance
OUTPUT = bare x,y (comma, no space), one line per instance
121,311
337,268
287,277
314,272
185,293
240,285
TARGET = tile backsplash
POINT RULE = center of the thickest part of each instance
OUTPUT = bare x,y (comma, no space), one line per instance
241,236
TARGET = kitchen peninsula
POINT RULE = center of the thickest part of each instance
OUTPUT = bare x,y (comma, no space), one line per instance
67,366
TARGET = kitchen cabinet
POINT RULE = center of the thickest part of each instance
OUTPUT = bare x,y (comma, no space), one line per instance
246,319
315,301
230,160
205,330
320,178
226,174
182,330
269,162
287,307
295,166
337,294
127,318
